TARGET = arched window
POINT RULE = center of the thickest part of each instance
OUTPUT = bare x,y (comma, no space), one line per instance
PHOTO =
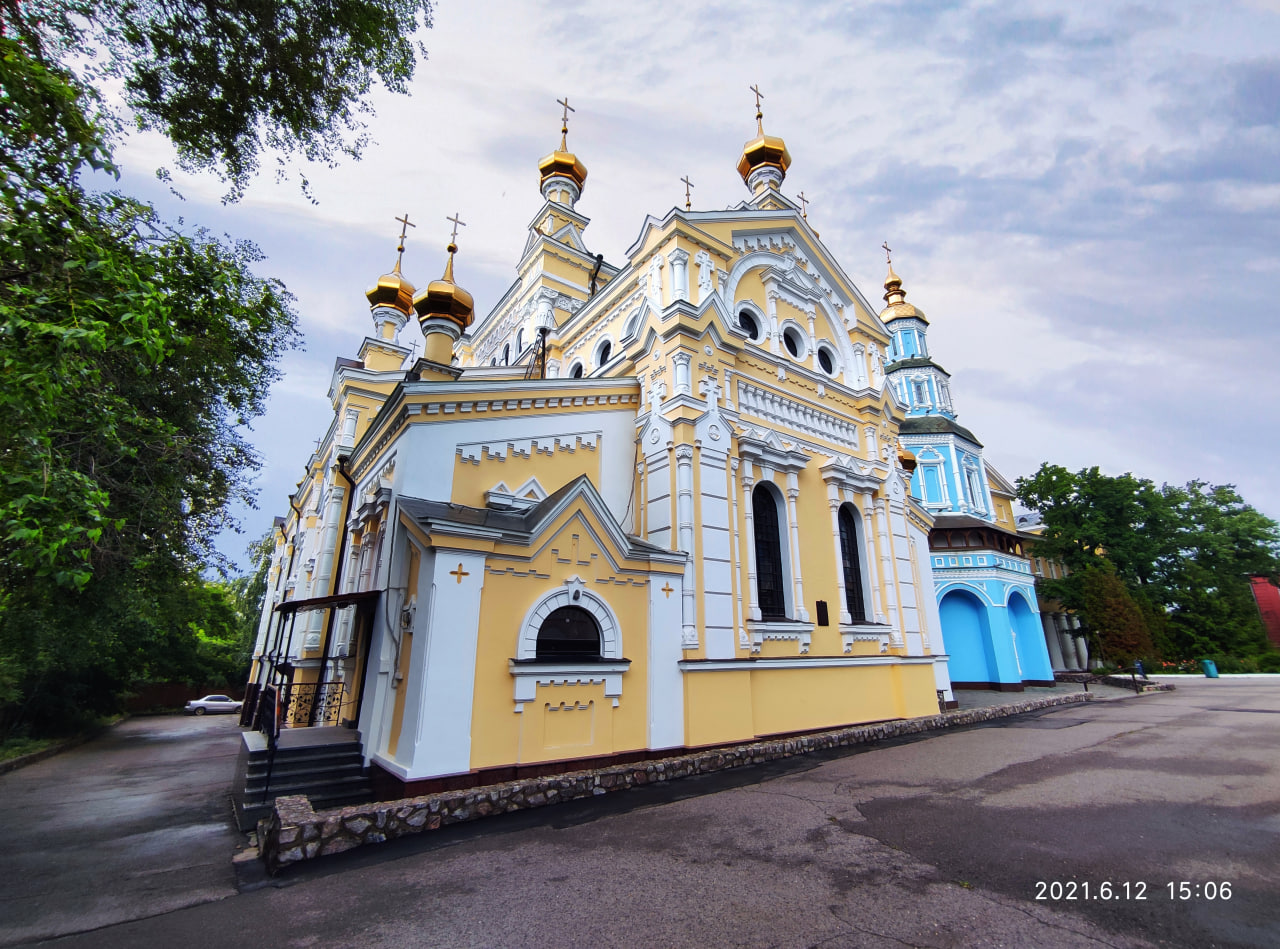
569,632
771,594
852,566
520,340
506,354
603,353
748,324
576,371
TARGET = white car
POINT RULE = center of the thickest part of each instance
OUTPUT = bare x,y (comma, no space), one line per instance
213,703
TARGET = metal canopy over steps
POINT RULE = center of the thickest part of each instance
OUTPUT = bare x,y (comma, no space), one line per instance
325,764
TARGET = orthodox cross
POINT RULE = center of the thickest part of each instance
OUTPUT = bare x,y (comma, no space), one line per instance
887,253
759,114
564,121
804,205
688,204
459,573
404,232
456,225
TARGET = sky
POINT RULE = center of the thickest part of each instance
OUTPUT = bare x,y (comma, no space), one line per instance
1083,198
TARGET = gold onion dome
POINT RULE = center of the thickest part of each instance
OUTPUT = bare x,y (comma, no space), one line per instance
445,299
906,460
763,151
564,164
392,290
896,297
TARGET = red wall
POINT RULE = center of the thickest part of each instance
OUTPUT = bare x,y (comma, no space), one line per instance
1268,597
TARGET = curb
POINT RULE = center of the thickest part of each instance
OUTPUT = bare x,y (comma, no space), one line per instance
294,832
13,764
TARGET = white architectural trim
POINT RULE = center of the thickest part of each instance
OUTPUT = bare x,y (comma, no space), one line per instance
529,677
573,593
817,662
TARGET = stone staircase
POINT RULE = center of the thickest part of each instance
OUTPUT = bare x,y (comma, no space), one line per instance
325,764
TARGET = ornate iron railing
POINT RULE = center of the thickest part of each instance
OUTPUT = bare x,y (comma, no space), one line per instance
306,704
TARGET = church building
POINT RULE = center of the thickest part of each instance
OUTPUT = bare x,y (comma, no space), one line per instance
634,508
982,576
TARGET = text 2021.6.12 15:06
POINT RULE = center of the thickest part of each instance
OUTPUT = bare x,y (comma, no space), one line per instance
1061,890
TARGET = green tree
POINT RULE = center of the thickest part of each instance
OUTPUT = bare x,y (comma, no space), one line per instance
1119,628
134,352
1183,553
225,81
1220,543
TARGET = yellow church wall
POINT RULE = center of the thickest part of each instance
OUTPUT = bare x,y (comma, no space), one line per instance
717,707
471,479
584,722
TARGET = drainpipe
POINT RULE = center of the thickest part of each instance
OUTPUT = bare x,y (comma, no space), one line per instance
337,579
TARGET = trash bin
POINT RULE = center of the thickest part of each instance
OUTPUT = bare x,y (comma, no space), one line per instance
1210,668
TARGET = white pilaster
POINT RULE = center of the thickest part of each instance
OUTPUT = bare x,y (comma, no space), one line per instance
684,509
793,492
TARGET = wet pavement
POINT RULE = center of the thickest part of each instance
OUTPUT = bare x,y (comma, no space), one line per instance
945,840
134,823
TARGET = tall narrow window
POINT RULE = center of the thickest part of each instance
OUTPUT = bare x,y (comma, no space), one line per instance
771,594
506,354
520,340
852,566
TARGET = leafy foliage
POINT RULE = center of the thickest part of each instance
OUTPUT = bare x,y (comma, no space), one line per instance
133,353
224,81
1184,555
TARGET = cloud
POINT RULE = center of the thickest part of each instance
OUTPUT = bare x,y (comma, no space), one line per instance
1083,198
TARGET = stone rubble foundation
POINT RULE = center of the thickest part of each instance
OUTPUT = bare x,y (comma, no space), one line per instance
294,832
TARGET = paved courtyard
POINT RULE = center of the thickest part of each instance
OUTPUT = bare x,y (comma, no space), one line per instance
940,841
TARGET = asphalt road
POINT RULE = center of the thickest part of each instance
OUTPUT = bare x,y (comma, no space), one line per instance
943,841
134,823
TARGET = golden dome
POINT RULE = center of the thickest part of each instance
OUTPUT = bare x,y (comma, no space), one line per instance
763,151
444,298
392,290
906,460
896,297
563,163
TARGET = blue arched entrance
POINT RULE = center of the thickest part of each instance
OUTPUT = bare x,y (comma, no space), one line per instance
1033,654
967,633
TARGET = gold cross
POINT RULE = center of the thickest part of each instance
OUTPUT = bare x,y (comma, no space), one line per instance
668,590
759,96
404,232
688,204
804,205
456,225
459,573
887,253
564,121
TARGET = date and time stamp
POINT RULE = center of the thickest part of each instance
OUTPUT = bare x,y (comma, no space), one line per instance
1102,891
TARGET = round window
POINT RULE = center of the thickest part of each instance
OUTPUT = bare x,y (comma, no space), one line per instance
576,371
795,345
825,361
748,324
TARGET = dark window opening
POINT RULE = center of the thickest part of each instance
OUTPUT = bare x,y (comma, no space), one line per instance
824,360
792,342
823,618
577,371
605,350
569,632
748,323
506,355
852,566
771,594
